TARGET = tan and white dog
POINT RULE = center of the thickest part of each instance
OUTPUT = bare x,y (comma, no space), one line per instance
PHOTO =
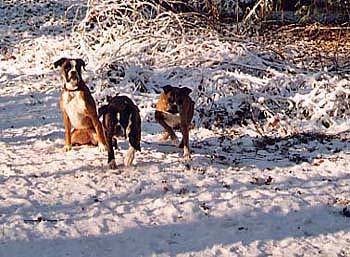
78,107
175,110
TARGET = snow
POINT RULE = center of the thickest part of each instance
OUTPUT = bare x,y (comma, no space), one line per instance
242,194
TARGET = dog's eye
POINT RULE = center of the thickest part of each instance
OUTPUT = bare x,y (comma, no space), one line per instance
68,66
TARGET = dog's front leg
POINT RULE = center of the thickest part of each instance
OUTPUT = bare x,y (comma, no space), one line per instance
67,132
185,141
100,135
129,156
111,158
186,117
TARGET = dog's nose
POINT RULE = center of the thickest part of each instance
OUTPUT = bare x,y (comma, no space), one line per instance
73,74
173,108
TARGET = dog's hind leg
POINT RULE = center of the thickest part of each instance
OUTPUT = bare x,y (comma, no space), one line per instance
67,132
168,130
165,136
129,156
83,137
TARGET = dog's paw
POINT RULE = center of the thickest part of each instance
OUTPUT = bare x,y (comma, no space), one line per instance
187,157
165,137
112,164
102,147
129,157
67,148
175,141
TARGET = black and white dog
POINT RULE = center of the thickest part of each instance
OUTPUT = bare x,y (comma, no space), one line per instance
121,119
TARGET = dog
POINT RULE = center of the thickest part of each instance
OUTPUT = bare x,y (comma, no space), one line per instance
78,107
121,119
174,110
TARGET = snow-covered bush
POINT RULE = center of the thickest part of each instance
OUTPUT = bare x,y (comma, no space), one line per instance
136,47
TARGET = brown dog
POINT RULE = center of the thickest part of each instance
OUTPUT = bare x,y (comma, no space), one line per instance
78,107
175,110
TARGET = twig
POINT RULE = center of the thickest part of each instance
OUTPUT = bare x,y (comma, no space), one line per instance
40,219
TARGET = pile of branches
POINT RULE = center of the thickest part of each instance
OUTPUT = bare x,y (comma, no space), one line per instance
136,47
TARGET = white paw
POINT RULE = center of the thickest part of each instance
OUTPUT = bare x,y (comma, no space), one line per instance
112,164
102,147
187,155
129,157
67,148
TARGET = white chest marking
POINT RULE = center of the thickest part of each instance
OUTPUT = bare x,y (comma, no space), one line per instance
173,120
76,109
71,86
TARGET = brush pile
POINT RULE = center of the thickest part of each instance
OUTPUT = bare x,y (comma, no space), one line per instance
136,47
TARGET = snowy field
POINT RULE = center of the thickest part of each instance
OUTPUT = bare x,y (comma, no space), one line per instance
280,187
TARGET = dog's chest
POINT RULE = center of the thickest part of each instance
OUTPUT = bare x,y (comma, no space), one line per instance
173,120
75,107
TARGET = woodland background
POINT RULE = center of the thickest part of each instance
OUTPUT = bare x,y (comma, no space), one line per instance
269,174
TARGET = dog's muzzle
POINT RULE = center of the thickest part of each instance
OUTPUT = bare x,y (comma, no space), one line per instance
73,76
119,131
173,108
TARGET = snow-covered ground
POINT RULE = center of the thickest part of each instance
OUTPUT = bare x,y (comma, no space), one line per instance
242,194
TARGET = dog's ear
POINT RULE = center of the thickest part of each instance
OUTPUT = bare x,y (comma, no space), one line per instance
135,127
59,62
185,91
81,63
102,110
109,98
167,88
